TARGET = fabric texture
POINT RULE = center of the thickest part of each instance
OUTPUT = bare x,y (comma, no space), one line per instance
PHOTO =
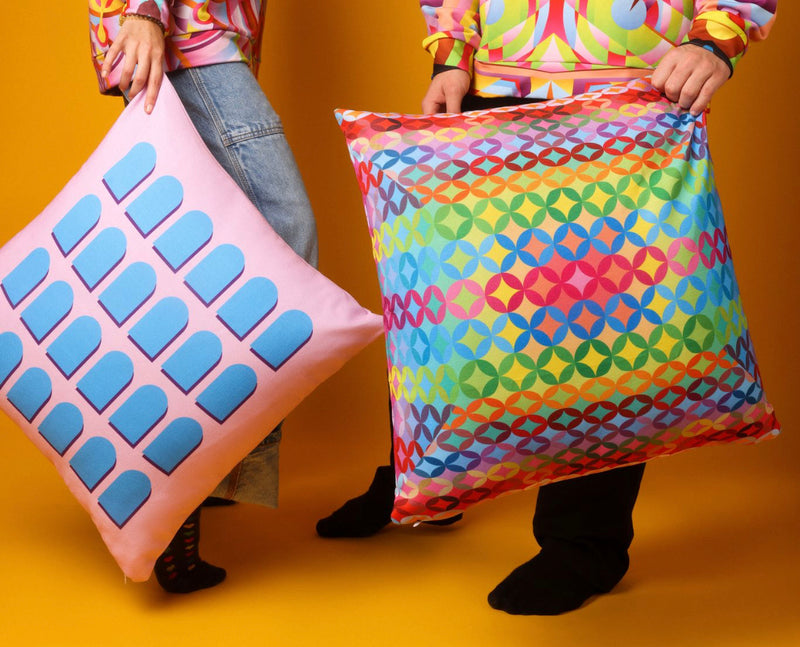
198,33
558,293
155,328
245,135
556,48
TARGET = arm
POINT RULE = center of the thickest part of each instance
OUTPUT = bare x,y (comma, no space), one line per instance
453,36
141,42
692,73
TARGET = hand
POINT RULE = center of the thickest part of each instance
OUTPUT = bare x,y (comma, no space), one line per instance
446,91
141,42
689,76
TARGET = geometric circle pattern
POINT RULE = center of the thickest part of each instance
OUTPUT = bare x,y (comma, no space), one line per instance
558,293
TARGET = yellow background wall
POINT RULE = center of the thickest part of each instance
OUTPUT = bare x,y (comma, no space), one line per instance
718,529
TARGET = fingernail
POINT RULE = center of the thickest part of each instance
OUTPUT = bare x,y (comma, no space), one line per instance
148,109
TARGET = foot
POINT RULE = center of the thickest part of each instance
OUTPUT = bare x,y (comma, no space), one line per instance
217,502
547,585
179,568
364,515
175,579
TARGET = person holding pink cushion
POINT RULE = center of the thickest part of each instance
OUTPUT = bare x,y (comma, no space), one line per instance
211,54
491,53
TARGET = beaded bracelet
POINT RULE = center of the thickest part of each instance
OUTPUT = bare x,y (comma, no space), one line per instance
123,17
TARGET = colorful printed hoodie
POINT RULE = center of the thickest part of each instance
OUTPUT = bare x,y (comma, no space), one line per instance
553,48
199,32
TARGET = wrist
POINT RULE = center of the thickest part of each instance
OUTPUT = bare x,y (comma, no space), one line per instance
711,46
138,16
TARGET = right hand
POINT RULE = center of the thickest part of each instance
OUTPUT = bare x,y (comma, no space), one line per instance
142,45
446,91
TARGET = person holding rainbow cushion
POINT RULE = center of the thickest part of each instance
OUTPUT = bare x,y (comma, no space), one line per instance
490,53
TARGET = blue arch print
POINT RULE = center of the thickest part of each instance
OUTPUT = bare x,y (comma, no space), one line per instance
160,326
77,223
31,392
173,445
62,427
211,276
290,332
106,379
228,392
126,494
142,411
26,276
76,344
190,233
94,461
130,171
10,355
193,360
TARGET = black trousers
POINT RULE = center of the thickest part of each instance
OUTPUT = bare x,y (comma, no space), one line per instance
587,520
590,517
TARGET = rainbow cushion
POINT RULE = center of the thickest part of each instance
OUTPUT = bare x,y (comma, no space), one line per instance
558,293
153,329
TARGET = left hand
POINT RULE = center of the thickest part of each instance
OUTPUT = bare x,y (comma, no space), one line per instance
689,76
141,44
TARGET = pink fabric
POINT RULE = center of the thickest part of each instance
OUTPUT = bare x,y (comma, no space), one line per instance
340,329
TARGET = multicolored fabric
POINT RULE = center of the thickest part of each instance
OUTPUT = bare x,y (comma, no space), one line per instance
153,325
198,32
558,293
555,48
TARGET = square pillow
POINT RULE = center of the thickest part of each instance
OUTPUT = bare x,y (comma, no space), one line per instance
153,328
558,293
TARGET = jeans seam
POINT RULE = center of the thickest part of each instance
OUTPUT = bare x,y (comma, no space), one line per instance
218,124
230,140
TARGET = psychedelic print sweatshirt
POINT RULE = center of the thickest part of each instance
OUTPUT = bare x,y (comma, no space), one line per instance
553,48
197,32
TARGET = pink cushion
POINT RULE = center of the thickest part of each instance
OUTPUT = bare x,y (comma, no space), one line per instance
153,329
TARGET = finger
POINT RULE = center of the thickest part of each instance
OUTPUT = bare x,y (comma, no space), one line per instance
453,101
153,87
433,101
692,87
431,106
673,86
663,70
111,56
128,66
705,94
140,76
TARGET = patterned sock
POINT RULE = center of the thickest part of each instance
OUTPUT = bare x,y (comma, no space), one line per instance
179,569
555,582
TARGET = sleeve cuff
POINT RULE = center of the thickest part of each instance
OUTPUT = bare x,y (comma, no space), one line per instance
449,52
711,46
725,31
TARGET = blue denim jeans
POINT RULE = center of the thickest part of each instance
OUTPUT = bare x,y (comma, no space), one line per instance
245,135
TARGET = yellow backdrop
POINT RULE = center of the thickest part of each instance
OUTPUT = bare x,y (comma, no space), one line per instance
365,54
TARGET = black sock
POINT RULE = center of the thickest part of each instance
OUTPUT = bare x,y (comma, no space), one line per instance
216,502
179,569
556,581
366,514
